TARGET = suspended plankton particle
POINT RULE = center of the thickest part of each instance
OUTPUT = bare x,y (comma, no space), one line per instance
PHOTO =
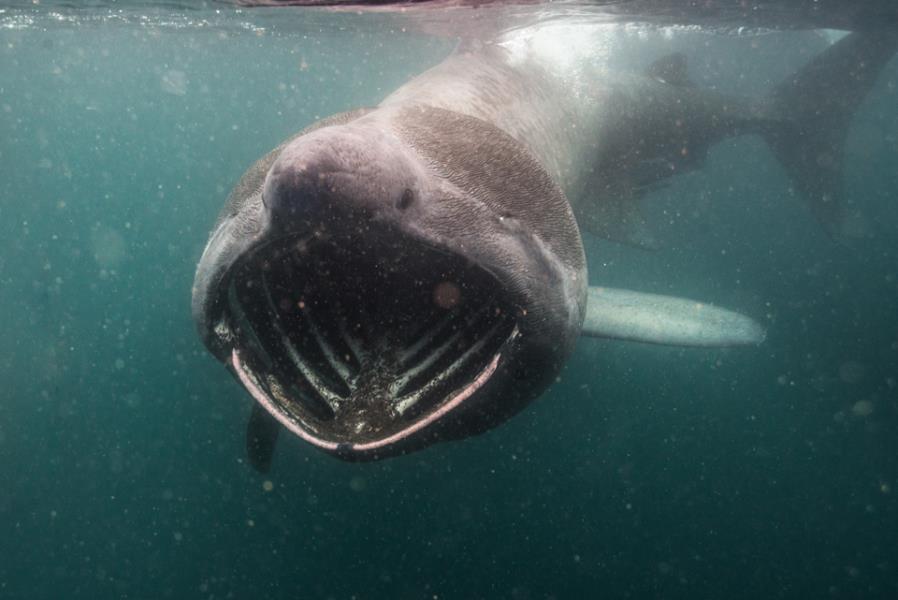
174,82
862,408
108,247
851,371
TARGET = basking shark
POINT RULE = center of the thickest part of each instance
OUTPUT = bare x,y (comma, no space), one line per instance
395,276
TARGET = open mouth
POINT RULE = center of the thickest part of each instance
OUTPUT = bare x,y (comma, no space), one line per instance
359,347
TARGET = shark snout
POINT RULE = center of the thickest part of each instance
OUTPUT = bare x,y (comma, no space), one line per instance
338,177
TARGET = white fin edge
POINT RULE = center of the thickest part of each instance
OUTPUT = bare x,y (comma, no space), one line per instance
655,319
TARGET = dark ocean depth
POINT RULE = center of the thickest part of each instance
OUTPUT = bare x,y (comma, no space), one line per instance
645,472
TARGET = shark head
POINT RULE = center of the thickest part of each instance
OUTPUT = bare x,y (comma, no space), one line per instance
378,285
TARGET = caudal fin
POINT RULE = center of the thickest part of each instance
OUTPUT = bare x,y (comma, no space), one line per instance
814,107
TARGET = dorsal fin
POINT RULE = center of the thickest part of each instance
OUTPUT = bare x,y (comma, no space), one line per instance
670,69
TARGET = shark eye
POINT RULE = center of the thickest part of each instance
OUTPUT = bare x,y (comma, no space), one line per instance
406,200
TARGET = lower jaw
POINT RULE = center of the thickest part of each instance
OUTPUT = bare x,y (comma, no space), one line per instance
371,449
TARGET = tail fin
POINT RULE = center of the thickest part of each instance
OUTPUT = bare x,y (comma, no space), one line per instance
815,106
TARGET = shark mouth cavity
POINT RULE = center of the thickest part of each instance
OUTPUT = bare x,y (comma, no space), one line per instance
355,349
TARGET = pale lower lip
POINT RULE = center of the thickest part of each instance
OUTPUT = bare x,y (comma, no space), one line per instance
248,382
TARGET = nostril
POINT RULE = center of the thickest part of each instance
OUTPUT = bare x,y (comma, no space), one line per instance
406,200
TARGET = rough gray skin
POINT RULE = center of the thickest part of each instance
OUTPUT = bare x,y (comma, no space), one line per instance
342,255
607,137
603,136
409,198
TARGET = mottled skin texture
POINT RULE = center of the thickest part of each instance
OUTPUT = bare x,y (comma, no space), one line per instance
476,194
484,159
607,137
603,136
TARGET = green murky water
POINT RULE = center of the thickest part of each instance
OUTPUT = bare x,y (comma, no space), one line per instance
646,472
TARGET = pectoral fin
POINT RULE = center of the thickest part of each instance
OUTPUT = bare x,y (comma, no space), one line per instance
628,315
261,438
